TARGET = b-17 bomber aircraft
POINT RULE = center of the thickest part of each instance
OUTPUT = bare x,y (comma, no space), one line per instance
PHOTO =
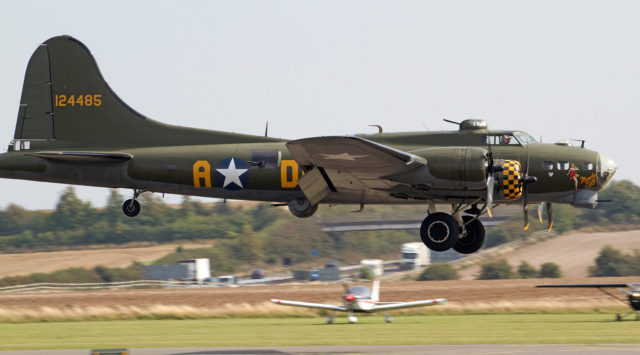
359,299
73,129
632,290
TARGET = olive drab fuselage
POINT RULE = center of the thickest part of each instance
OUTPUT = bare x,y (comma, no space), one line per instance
73,129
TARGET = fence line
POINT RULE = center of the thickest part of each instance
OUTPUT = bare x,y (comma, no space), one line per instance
96,286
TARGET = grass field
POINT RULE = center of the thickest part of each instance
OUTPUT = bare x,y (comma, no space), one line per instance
371,330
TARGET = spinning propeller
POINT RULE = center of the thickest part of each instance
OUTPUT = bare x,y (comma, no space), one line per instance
525,180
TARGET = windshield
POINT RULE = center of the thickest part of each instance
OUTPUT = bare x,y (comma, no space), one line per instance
525,138
409,255
361,291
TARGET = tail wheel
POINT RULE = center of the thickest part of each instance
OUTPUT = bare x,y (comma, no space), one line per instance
474,238
131,208
439,231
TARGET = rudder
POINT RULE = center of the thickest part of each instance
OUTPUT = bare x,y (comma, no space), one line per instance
66,103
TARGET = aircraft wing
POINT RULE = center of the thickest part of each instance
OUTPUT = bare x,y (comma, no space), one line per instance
349,165
309,305
399,305
586,285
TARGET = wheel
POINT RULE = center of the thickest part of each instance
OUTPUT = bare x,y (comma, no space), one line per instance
131,208
302,208
439,231
472,242
330,320
388,319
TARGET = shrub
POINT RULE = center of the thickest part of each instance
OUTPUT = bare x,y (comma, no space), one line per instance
526,271
499,269
550,270
439,271
366,274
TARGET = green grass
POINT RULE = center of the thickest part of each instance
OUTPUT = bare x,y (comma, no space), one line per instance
438,329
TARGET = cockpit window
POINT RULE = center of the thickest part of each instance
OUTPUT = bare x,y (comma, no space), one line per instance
547,165
500,139
525,138
361,291
587,166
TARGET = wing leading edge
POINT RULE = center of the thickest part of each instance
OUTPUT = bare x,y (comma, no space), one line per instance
309,305
400,305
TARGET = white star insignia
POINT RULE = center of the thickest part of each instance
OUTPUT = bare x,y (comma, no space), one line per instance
231,174
343,156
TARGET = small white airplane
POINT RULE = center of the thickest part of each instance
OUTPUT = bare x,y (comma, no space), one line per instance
359,299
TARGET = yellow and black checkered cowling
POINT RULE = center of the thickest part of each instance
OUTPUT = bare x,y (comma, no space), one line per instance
511,184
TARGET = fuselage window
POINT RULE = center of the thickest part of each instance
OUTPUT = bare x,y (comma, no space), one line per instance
500,139
547,165
563,165
264,159
587,166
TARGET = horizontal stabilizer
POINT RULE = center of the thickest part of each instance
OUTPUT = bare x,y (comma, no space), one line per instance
86,157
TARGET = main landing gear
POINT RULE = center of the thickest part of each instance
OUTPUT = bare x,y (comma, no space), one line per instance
442,231
131,207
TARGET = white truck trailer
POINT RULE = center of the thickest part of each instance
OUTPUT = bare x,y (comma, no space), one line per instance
375,265
414,256
199,269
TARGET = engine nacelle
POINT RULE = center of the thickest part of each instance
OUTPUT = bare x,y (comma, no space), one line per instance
302,208
455,168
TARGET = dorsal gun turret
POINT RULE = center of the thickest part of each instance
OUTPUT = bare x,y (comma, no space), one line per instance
473,125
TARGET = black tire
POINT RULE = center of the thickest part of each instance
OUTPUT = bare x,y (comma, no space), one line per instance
472,242
131,209
439,231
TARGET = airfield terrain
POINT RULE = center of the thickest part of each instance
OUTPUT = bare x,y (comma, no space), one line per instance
45,262
478,296
574,252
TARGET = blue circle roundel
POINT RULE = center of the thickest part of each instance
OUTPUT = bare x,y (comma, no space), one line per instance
232,174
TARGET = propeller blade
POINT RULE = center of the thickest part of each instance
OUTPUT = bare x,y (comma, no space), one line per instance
525,211
540,206
549,215
490,183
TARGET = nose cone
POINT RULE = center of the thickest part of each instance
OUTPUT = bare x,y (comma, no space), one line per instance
607,167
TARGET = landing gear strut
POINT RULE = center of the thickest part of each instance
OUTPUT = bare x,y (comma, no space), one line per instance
131,207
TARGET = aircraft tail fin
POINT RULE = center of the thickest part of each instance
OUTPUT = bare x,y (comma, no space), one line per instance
67,103
375,291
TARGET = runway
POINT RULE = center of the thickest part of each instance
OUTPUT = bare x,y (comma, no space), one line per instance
484,349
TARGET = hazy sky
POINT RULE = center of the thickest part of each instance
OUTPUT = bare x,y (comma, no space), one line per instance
556,69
